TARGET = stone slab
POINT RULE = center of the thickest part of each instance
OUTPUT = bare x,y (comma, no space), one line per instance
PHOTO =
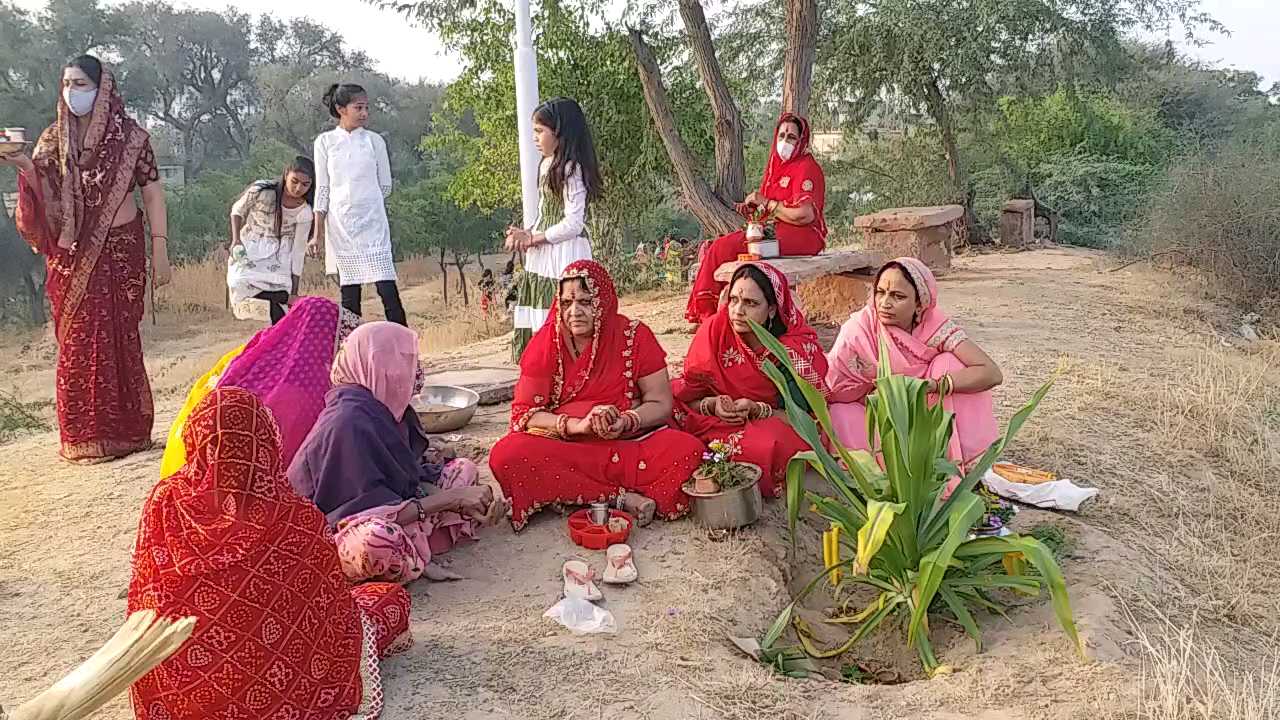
931,245
495,385
803,269
909,218
1019,205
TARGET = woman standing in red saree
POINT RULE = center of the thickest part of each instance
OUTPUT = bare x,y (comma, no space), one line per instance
75,207
724,395
589,418
793,192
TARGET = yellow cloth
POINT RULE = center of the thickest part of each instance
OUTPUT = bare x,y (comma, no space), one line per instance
175,454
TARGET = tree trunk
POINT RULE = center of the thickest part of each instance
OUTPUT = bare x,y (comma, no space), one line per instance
714,215
460,261
444,277
797,64
188,153
730,170
936,104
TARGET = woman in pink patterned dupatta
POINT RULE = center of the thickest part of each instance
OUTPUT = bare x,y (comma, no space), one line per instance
923,343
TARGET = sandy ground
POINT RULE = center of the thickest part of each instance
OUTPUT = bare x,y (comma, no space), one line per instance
483,649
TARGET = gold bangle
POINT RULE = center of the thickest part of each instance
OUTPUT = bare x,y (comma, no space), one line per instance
562,426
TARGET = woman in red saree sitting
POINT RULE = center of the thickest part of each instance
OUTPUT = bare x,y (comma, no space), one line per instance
279,631
793,192
76,208
589,418
724,395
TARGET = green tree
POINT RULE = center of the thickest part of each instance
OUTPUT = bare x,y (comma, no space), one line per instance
192,70
939,55
426,220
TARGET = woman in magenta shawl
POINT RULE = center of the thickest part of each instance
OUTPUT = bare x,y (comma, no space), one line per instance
362,465
923,343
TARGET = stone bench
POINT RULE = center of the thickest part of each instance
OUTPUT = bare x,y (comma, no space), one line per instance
928,233
830,285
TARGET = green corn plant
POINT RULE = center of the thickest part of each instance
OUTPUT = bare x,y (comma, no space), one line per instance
909,543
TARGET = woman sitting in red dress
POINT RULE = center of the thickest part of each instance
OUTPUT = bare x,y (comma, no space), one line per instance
589,419
725,396
280,633
793,192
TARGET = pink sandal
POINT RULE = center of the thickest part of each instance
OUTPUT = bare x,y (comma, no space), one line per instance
579,581
620,568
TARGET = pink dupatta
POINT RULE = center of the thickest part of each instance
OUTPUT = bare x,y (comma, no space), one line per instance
926,353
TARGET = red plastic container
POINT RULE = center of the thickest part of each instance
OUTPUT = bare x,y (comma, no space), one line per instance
598,537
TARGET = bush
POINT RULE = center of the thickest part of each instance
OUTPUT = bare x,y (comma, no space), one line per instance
1219,210
1035,131
1095,197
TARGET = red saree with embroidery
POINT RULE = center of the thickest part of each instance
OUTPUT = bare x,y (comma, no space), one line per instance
97,274
720,362
536,470
280,633
792,182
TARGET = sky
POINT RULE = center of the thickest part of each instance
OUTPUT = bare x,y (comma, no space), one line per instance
407,52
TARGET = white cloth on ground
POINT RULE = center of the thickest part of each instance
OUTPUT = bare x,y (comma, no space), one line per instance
353,180
1054,495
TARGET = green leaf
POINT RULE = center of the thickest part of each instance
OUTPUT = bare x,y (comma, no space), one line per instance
796,468
938,518
778,627
1039,556
957,606
934,565
871,535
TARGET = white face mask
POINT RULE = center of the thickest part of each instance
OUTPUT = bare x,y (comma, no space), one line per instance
785,149
80,101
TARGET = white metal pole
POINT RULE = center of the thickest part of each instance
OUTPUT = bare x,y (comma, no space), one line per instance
526,73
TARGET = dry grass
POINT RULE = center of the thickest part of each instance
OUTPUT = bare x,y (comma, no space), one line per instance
1184,678
200,289
1183,435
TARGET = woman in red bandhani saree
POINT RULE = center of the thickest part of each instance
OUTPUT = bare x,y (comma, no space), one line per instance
724,395
589,420
76,208
793,192
280,633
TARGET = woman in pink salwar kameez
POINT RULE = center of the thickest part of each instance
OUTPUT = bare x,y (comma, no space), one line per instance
923,343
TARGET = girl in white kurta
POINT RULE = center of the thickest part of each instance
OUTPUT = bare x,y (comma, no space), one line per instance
270,228
568,180
353,180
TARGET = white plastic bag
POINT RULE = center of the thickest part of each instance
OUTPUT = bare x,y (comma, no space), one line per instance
1056,495
581,616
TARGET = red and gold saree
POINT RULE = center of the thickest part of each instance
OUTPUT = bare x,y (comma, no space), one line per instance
720,362
792,182
535,470
97,273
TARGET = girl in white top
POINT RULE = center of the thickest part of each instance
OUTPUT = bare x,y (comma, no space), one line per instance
353,179
569,180
270,227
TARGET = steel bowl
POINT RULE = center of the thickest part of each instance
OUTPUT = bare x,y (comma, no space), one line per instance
462,401
728,509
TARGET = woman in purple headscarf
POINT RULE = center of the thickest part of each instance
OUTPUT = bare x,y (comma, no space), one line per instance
362,465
